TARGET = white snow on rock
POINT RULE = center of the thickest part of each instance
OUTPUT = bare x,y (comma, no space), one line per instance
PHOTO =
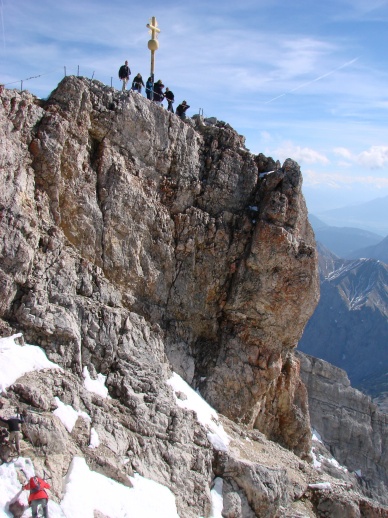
11,488
206,415
68,415
94,439
96,386
335,463
316,462
217,500
320,485
16,360
86,491
316,436
318,459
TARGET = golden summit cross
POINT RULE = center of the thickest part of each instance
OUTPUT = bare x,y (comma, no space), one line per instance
153,43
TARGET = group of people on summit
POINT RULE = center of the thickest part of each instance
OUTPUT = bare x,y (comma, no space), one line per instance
154,91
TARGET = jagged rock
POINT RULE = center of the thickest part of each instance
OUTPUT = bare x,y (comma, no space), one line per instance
350,425
16,508
265,489
119,206
132,243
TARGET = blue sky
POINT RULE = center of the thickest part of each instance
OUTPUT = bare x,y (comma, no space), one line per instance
302,79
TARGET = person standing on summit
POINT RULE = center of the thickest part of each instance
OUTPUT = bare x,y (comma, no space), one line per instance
137,83
158,92
170,99
124,74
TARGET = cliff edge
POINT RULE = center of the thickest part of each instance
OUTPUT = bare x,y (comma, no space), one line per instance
110,199
134,244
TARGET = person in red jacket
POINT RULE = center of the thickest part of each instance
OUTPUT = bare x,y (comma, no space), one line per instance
38,495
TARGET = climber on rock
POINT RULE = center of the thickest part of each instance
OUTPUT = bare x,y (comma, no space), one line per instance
181,110
13,424
38,495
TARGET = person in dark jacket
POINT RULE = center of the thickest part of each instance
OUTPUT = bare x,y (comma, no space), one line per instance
158,92
124,73
149,88
170,99
38,495
181,110
137,83
13,424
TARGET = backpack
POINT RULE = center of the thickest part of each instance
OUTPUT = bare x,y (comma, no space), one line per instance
37,487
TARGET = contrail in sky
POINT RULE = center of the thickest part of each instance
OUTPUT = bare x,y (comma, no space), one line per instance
314,80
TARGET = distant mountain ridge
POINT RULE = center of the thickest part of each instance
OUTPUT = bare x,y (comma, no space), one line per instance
378,252
349,327
371,216
343,241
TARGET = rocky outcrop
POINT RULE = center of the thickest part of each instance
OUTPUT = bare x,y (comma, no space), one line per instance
350,424
114,206
161,441
134,244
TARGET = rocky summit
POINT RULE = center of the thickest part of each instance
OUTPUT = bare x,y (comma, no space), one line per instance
136,245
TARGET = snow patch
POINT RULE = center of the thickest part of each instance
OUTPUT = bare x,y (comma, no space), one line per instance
261,175
320,485
217,500
11,488
68,415
206,415
316,462
94,439
17,360
96,386
317,436
87,491
335,463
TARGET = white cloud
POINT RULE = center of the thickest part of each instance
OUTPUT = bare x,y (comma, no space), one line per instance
343,152
300,154
375,157
338,180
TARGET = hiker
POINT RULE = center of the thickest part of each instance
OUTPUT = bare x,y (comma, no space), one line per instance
149,88
170,99
38,495
158,92
14,429
137,83
124,74
181,110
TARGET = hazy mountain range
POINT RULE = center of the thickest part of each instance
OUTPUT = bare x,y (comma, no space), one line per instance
349,327
371,216
378,251
350,242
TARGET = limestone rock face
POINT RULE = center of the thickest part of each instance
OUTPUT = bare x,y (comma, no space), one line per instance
112,206
350,424
136,244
